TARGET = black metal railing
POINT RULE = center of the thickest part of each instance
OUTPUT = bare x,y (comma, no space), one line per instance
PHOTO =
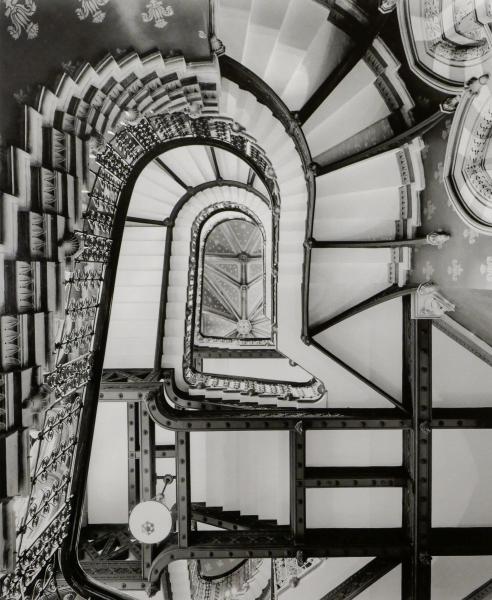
247,80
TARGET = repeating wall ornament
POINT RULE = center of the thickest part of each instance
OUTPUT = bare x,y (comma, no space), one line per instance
471,235
157,13
21,96
455,269
486,269
429,209
428,270
92,9
20,12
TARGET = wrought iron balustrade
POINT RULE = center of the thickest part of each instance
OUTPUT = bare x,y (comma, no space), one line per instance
45,522
240,581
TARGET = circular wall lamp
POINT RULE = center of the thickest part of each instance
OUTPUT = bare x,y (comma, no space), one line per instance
152,521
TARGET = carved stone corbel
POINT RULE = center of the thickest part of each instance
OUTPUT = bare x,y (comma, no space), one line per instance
437,238
475,83
428,303
217,45
387,6
450,105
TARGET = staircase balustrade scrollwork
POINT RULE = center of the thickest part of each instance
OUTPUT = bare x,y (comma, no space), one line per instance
302,392
44,523
288,572
240,582
31,560
4,416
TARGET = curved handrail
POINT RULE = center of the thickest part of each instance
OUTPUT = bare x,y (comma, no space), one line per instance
267,546
249,386
161,405
222,575
278,544
246,79
239,577
114,170
170,222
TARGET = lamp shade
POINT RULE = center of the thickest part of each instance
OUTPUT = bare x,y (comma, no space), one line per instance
150,522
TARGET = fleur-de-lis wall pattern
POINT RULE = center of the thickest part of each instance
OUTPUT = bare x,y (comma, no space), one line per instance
21,15
156,13
91,9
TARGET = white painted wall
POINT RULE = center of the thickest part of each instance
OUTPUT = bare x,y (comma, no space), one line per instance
353,448
462,478
459,378
370,342
264,368
353,507
107,484
454,577
333,572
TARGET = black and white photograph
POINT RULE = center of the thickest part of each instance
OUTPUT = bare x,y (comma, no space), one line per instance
245,299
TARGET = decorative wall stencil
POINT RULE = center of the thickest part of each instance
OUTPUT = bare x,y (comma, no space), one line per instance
446,128
486,269
455,269
91,8
471,235
429,209
157,13
428,270
22,96
20,12
71,66
438,172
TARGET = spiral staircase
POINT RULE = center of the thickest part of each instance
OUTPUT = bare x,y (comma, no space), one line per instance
377,199
259,133
100,98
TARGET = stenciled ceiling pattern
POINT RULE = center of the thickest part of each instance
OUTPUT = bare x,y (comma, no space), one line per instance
233,289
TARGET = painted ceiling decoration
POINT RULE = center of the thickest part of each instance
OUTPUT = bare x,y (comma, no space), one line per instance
233,292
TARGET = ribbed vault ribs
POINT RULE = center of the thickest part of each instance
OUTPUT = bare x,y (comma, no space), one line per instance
233,295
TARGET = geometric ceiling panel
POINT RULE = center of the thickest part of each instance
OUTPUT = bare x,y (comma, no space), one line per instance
233,288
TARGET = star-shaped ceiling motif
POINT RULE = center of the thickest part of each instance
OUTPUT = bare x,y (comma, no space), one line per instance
233,293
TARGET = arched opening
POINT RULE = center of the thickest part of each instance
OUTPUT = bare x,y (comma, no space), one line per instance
233,302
